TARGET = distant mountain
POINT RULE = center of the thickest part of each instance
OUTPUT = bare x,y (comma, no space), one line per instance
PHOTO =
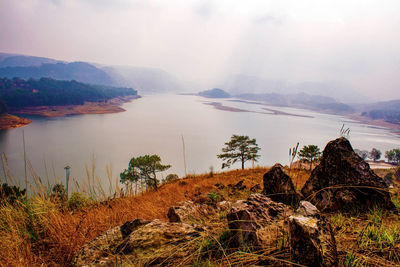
247,84
79,71
214,93
147,80
301,100
388,111
12,60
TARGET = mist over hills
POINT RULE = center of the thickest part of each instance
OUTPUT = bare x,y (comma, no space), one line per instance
331,97
247,84
147,80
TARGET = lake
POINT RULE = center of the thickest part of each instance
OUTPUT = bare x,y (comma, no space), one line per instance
155,124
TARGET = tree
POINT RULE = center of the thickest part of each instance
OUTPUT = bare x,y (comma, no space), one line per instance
310,153
375,154
362,153
393,155
239,148
144,169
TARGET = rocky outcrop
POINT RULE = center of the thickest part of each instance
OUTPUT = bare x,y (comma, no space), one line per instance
139,243
256,221
190,212
307,209
279,186
312,242
397,174
237,187
342,179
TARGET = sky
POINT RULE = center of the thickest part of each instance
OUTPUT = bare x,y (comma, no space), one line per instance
354,43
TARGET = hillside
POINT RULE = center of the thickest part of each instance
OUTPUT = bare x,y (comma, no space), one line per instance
388,111
64,232
79,71
214,93
147,80
19,93
301,100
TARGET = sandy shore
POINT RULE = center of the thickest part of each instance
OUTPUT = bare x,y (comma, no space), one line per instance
8,121
112,106
379,123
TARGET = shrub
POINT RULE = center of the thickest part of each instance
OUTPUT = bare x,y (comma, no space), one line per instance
78,201
11,193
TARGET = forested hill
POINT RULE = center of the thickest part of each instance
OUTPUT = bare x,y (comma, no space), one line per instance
79,71
19,93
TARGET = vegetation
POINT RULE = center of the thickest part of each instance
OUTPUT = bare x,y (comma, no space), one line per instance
214,93
393,155
239,148
19,93
3,107
310,154
375,154
143,169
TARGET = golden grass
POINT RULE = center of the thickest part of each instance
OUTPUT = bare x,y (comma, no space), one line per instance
51,237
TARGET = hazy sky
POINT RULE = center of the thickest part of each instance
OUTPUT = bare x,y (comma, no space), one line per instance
352,42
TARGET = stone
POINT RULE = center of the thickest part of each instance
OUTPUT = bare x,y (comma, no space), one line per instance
397,173
312,241
239,186
255,188
224,205
190,211
388,179
219,186
343,179
279,186
251,221
150,243
307,209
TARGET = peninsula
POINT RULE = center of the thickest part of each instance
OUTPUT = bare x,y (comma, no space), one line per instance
51,98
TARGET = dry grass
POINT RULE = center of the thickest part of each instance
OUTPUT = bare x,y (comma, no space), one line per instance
38,233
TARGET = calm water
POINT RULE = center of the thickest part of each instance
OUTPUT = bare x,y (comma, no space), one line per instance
155,124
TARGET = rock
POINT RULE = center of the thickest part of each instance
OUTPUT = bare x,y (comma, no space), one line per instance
279,186
255,188
343,178
238,186
307,209
190,211
388,179
110,239
220,186
397,173
312,241
256,221
224,205
151,243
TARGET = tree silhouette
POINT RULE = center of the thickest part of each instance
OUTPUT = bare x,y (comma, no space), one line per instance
239,148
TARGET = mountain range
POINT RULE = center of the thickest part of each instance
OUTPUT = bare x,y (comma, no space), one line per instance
146,80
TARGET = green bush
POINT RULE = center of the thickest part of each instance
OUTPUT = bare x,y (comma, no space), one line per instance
78,201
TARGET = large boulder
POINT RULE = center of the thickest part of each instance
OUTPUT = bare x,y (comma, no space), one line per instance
257,221
312,241
192,211
279,186
343,179
140,243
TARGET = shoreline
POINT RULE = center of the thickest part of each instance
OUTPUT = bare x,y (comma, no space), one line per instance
395,128
9,121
